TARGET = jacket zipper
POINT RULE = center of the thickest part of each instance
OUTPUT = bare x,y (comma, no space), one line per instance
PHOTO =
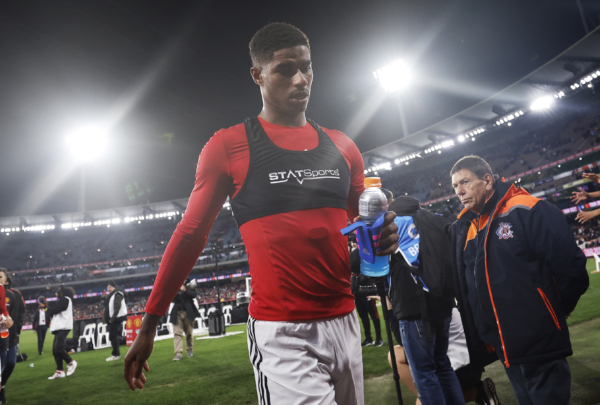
550,309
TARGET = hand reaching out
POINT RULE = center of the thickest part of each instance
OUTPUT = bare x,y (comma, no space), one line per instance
592,176
584,216
579,196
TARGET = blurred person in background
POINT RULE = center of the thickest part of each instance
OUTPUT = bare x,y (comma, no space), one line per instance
115,312
16,309
182,316
41,322
62,324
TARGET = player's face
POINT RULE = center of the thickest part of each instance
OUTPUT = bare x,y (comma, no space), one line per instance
2,278
285,81
472,191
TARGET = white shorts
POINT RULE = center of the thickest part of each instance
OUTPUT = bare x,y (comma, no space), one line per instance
310,362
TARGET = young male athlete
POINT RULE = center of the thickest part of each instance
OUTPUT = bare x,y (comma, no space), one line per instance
292,186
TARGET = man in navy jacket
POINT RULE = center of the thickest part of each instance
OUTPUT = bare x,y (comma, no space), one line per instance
519,275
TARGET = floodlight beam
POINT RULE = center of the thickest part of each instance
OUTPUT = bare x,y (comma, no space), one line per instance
393,77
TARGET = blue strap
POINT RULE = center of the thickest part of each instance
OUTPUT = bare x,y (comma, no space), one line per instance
367,237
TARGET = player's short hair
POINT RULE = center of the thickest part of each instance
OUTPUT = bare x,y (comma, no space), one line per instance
3,270
273,37
473,163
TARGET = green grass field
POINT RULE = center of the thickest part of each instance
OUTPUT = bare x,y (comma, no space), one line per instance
220,372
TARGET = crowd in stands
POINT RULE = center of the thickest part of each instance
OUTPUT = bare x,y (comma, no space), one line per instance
87,245
208,295
95,273
562,136
587,234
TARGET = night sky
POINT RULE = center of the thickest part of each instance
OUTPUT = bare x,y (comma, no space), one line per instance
167,75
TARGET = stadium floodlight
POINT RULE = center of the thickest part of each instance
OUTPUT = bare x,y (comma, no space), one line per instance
461,138
393,77
87,143
542,103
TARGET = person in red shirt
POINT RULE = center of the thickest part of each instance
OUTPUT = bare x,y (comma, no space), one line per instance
292,185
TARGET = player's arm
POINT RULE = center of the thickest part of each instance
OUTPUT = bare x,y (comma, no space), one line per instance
206,201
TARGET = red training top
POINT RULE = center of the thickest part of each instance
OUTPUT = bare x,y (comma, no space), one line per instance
298,260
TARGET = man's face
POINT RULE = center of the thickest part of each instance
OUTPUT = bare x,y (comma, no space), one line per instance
285,81
110,288
471,191
3,279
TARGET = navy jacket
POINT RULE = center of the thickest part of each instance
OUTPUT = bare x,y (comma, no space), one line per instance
518,273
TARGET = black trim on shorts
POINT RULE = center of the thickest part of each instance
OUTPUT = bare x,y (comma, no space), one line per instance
264,396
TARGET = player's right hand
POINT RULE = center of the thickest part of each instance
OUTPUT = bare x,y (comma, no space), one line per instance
579,196
139,352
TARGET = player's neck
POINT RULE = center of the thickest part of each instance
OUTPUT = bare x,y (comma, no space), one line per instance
275,117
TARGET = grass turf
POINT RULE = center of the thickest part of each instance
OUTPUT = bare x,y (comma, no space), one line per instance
220,372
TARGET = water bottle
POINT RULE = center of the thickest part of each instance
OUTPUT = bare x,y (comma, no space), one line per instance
371,205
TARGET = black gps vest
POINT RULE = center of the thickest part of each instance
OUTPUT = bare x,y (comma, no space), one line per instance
281,180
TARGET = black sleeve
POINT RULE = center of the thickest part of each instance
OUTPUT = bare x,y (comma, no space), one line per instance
61,305
191,293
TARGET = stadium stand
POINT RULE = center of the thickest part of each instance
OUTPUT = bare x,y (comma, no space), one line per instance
565,135
86,257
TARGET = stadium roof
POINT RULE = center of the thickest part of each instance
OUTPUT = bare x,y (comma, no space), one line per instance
557,75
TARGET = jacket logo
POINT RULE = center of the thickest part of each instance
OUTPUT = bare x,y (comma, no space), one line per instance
504,231
412,231
301,175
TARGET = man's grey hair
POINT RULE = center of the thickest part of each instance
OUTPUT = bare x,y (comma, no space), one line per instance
473,163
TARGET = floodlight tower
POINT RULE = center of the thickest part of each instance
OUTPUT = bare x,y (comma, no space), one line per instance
86,144
394,78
